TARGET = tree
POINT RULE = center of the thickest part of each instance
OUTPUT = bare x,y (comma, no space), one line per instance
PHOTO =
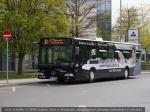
129,20
28,20
145,38
81,16
2,11
144,27
136,18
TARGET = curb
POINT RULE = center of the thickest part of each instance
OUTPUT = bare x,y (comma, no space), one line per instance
35,80
145,72
23,83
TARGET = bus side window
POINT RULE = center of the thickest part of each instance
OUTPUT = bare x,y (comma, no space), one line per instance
111,54
119,55
116,55
93,53
127,54
49,55
138,55
77,51
84,54
103,54
43,55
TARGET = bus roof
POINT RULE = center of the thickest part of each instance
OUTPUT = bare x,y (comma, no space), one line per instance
96,40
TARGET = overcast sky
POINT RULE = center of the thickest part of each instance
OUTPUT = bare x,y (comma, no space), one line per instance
125,3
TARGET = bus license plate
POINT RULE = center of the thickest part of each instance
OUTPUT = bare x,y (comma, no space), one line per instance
41,77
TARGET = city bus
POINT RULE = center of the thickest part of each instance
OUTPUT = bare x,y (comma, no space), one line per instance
78,59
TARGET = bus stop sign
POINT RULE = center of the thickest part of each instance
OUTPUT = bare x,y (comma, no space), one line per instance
7,35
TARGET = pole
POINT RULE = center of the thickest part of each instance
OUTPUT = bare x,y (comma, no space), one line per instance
7,62
120,19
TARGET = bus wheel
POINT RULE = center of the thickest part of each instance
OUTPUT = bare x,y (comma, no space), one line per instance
91,76
126,73
60,80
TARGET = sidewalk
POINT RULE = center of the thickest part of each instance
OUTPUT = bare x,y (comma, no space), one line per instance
145,72
14,82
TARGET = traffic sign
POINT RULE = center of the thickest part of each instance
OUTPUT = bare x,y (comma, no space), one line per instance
133,36
7,35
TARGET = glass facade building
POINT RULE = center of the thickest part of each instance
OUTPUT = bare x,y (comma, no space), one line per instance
104,19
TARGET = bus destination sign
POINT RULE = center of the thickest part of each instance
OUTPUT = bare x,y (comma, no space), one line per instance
54,41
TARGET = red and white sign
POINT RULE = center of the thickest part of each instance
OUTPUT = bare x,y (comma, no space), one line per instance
7,35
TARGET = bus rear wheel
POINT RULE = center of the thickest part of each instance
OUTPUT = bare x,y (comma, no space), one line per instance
126,73
91,76
61,80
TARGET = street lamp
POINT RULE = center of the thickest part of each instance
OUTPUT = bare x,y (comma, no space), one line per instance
121,20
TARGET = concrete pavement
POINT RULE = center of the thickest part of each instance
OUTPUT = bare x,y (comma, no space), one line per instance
134,92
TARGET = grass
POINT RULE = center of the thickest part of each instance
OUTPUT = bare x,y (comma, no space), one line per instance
145,66
15,76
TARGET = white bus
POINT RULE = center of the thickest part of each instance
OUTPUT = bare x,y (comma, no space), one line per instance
74,59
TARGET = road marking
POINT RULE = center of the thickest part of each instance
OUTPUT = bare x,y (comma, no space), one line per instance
48,85
85,91
82,106
3,91
13,89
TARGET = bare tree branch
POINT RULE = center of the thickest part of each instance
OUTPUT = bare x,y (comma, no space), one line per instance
81,17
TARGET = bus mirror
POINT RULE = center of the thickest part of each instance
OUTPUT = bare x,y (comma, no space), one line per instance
77,50
93,52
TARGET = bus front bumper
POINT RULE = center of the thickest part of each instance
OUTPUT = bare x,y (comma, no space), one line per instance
42,76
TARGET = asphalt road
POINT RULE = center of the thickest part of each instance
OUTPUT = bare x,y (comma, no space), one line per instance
134,92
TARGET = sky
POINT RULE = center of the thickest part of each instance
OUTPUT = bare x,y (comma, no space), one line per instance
125,3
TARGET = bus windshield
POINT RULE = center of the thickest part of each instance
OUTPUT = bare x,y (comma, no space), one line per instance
55,55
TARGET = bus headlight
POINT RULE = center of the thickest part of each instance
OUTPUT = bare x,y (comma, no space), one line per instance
40,73
69,75
76,70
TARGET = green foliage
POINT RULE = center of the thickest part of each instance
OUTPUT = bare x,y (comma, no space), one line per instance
2,11
129,20
145,28
145,38
133,18
56,22
15,76
28,20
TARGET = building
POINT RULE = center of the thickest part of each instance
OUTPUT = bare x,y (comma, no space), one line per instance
104,8
82,18
101,27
